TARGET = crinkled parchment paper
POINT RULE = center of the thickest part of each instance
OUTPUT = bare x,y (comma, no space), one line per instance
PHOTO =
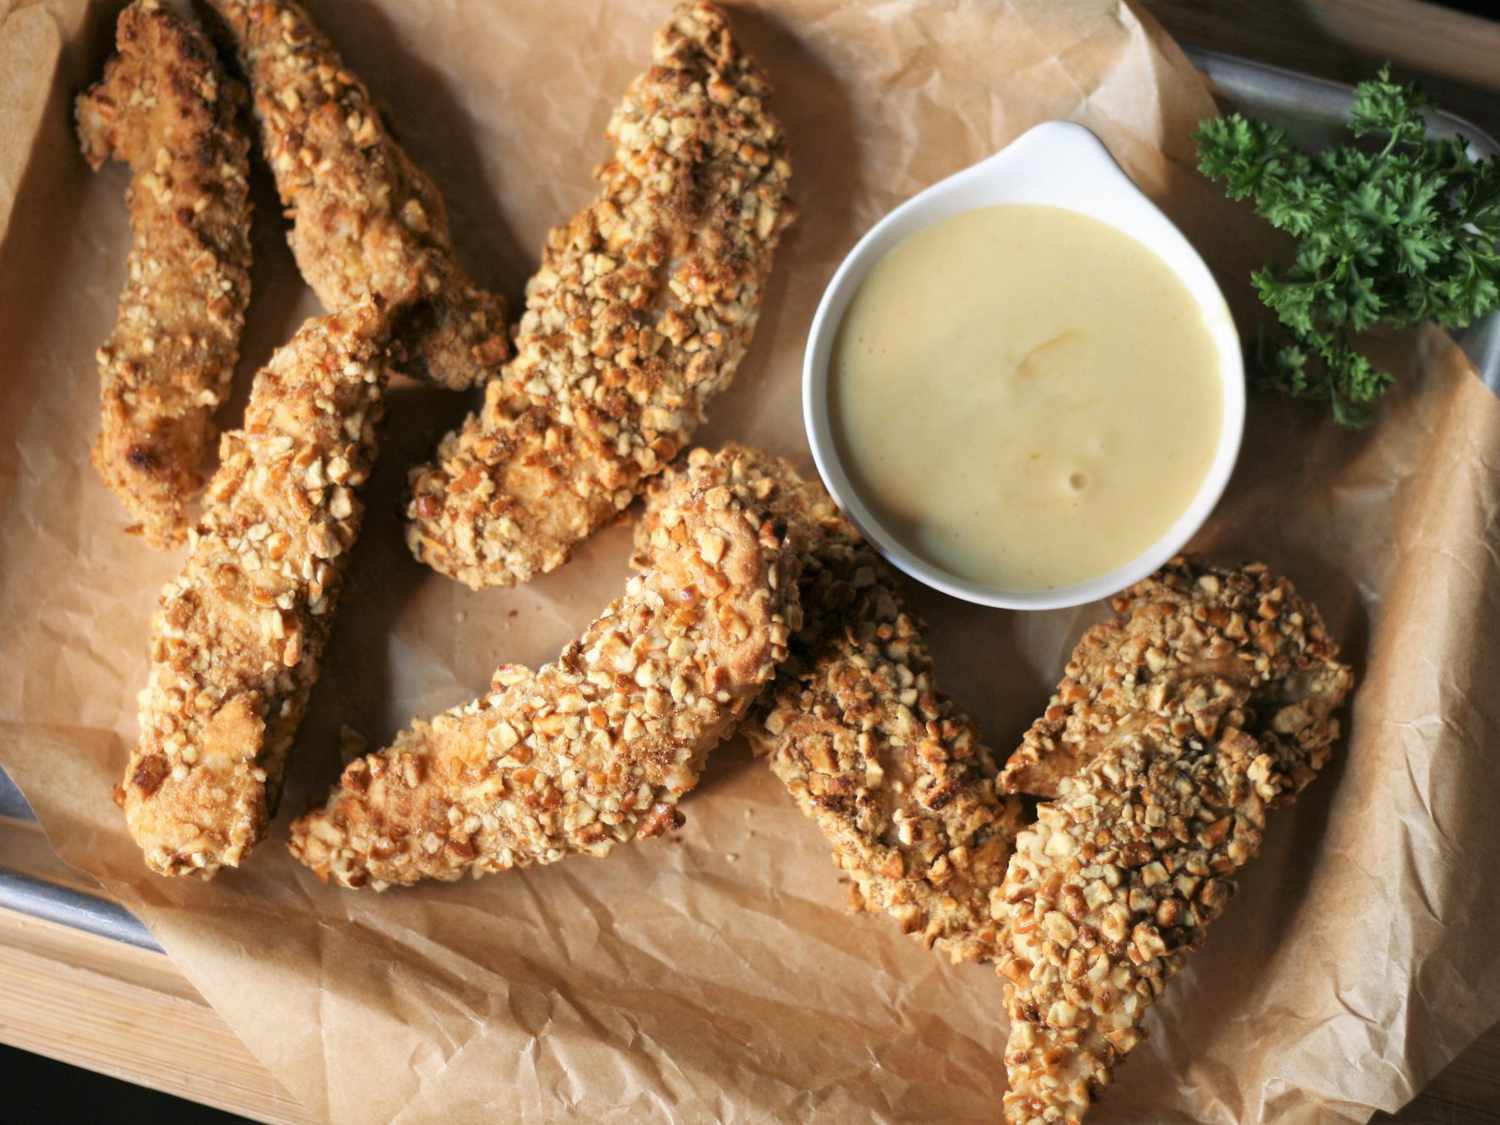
714,974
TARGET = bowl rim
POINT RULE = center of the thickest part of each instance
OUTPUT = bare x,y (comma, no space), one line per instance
1055,139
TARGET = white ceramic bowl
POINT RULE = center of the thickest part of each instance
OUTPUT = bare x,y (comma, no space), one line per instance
1062,165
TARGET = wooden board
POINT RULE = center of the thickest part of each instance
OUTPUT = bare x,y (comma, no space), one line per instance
128,1013
122,1011
125,1012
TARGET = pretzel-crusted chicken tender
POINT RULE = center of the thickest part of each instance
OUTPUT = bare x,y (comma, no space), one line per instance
365,220
598,747
165,108
893,772
1166,798
640,313
1187,655
236,642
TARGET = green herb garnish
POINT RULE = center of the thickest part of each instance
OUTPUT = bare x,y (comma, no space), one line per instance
1390,236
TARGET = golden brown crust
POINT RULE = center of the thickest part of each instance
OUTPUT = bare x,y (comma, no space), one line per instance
1123,871
236,643
893,771
164,107
640,313
596,748
365,220
1190,648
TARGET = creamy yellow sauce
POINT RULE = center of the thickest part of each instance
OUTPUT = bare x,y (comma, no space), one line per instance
1025,396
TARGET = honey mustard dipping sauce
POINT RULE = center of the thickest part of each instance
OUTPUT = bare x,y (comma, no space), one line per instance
1024,396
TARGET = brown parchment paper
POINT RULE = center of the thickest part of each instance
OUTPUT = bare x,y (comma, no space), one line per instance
714,975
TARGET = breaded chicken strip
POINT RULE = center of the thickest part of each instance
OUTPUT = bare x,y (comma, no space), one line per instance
640,313
165,108
598,747
892,771
236,643
1122,872
365,220
1192,646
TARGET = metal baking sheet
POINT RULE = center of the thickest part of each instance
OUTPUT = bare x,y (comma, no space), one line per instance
64,905
1312,110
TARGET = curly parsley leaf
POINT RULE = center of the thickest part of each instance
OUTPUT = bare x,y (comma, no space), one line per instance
1391,232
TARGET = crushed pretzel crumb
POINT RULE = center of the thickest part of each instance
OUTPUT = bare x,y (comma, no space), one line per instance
236,642
365,220
598,747
891,770
165,107
1165,798
640,313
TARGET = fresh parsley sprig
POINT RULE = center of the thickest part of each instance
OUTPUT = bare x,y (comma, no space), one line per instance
1392,233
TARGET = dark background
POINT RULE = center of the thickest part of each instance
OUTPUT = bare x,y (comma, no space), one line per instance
39,1091
34,1089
